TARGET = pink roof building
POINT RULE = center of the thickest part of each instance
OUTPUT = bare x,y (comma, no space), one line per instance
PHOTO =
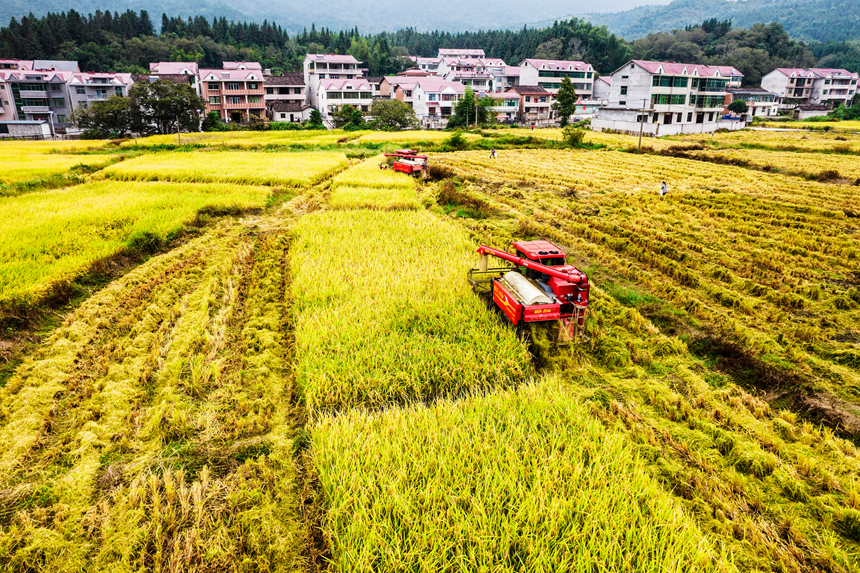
549,73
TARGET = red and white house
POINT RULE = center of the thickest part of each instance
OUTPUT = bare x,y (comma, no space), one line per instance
434,99
236,94
332,95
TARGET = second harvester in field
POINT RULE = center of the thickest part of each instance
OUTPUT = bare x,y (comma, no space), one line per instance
540,288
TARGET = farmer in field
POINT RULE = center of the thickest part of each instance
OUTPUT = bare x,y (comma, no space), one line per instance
493,153
664,189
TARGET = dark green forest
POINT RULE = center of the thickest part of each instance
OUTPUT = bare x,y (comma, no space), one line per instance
128,42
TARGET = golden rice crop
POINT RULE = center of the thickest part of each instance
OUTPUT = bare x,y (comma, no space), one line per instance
156,422
247,139
524,480
410,136
56,235
781,140
383,313
852,126
246,168
15,148
369,174
385,198
810,165
24,166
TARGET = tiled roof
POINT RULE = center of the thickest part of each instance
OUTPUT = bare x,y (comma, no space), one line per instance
226,75
512,70
434,84
173,67
57,65
172,78
798,72
824,72
357,84
374,79
812,107
458,51
492,62
557,64
675,68
402,80
116,79
529,90
282,106
605,79
239,65
729,71
289,79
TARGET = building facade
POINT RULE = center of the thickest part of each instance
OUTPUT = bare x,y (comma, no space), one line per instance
549,73
434,100
286,88
461,53
332,95
761,102
235,95
319,67
37,96
86,88
814,86
671,98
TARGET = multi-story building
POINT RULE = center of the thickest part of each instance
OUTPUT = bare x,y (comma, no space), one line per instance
434,100
332,95
375,84
16,65
428,64
535,105
461,53
286,88
189,69
37,96
86,88
602,86
549,73
507,107
478,81
398,87
813,86
506,78
318,67
665,98
761,102
235,94
734,76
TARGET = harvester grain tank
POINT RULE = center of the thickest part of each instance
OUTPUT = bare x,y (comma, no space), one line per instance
540,288
406,161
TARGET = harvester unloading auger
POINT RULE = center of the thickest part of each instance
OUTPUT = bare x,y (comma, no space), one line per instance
540,288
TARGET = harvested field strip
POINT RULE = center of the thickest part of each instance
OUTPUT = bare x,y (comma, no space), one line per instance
368,174
776,141
39,250
246,168
751,265
525,480
382,313
410,136
21,167
177,453
813,166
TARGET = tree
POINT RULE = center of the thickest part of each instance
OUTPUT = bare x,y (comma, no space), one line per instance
104,119
315,120
470,110
212,122
738,106
158,106
349,118
393,114
565,100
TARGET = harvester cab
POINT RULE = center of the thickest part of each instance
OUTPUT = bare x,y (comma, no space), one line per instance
539,287
406,161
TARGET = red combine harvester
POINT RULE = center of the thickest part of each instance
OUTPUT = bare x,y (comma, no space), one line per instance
540,288
407,161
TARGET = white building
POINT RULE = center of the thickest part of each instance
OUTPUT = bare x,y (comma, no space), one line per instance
434,100
813,86
736,78
331,95
506,78
602,86
461,53
761,102
318,67
665,98
549,73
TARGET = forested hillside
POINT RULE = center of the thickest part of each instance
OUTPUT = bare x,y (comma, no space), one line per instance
128,42
821,20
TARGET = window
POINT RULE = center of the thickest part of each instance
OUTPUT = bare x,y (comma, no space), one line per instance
215,100
55,87
4,128
80,91
364,108
334,95
58,102
233,86
431,97
82,105
234,100
528,99
623,90
827,82
711,116
678,119
254,99
270,91
117,91
297,91
624,77
214,86
252,86
283,91
825,92
368,95
283,116
689,116
350,95
622,103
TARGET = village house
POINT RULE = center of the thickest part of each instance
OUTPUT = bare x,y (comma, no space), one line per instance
461,53
602,85
535,105
332,95
398,87
235,94
813,86
434,100
549,73
286,88
505,78
36,96
761,102
507,106
318,67
665,98
189,69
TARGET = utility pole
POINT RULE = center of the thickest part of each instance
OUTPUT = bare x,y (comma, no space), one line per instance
641,126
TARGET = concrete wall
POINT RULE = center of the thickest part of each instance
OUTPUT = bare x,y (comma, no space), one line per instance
30,130
775,82
660,129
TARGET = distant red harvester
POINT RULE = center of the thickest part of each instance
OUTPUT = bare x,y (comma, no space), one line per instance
407,161
540,287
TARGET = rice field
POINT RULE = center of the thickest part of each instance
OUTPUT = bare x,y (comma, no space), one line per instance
243,168
20,166
410,136
13,148
850,126
314,386
55,236
248,139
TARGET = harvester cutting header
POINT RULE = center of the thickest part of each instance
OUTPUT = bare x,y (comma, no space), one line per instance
541,287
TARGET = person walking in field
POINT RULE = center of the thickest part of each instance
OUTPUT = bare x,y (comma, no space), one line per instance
663,190
493,153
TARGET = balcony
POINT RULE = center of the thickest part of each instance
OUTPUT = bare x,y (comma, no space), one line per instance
97,97
35,109
243,105
34,94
